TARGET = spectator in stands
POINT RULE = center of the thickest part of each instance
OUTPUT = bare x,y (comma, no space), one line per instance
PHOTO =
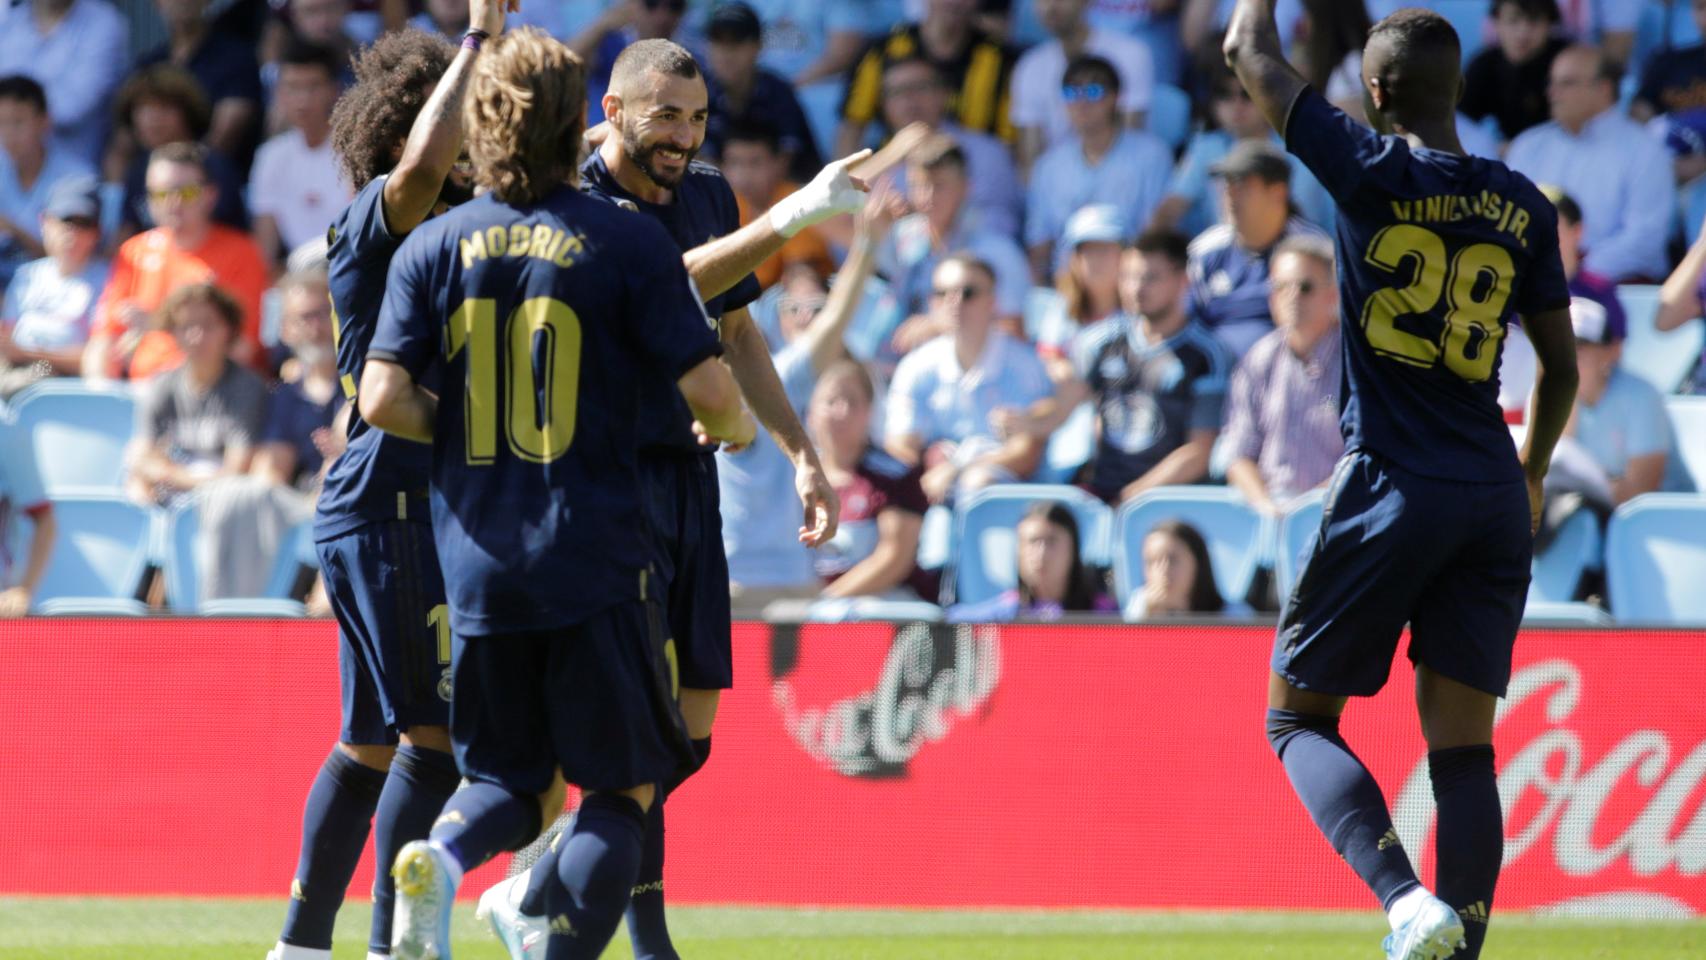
916,94
1178,578
743,94
622,23
1618,440
875,550
1619,174
1156,379
946,394
1088,284
1507,81
809,42
936,185
1608,23
21,494
1282,411
201,419
1040,81
30,167
1103,162
225,68
1229,262
1053,577
295,187
1675,79
814,324
324,23
157,106
448,18
977,66
78,51
187,248
757,170
50,303
1329,50
1683,298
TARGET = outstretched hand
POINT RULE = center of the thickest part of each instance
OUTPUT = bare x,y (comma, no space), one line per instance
835,190
822,508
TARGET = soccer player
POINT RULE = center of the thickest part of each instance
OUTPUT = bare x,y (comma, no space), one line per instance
1430,514
656,108
548,313
397,134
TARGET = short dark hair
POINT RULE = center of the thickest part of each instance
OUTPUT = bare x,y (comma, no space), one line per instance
1089,67
1427,49
913,58
753,131
939,152
393,79
165,83
1082,584
299,52
1536,9
651,56
1205,596
186,152
1165,243
22,88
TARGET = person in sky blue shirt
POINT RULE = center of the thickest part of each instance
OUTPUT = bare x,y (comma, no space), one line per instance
1430,514
548,311
78,51
31,165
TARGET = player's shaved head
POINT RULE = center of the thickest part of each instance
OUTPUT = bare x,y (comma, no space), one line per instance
638,59
1413,60
524,114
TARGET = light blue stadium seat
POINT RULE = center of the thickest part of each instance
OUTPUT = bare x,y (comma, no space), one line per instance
253,607
1655,559
936,538
1663,359
1299,523
1070,448
1688,426
78,433
1576,549
1170,114
1469,18
101,550
1660,26
855,609
1541,612
183,574
986,542
1236,534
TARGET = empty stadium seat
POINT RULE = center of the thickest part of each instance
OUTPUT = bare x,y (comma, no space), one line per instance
1236,534
1655,559
985,537
1541,612
1575,549
183,572
1662,359
1688,425
1170,114
936,538
78,433
253,607
101,550
1298,524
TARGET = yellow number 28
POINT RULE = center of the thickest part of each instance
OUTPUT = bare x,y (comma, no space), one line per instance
540,420
1475,284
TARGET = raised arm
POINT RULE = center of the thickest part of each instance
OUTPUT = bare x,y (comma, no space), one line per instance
1254,53
1554,394
1679,299
435,139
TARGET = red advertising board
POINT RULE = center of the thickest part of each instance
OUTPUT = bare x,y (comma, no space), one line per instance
883,765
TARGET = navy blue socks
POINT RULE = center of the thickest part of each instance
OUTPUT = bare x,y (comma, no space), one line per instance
1469,842
335,821
647,928
1343,799
597,865
421,781
483,820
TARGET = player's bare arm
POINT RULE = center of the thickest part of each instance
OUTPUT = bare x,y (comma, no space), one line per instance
717,266
390,400
1554,396
435,140
718,416
749,358
1254,53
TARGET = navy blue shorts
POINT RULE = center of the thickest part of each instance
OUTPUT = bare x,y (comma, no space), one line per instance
1449,558
596,699
393,629
686,516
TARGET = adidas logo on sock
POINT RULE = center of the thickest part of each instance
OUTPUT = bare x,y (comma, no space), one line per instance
561,927
1475,913
1389,840
296,891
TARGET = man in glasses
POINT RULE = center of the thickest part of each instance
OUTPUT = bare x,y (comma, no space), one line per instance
1039,109
1282,411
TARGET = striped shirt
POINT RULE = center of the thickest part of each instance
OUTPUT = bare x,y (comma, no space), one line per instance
1283,413
979,74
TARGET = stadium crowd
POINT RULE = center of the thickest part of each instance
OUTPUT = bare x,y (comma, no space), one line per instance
1085,259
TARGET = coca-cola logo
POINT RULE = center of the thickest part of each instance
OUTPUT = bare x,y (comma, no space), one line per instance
931,676
1581,805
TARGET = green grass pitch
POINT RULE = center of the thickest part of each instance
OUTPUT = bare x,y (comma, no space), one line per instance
148,929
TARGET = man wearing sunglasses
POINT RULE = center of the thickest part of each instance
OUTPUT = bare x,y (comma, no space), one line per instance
1039,107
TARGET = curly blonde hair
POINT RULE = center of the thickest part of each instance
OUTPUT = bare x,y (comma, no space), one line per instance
524,114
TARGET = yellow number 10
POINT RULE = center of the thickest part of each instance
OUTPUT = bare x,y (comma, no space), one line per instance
1482,267
541,410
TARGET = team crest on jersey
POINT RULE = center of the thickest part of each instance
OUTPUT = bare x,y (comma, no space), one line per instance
628,205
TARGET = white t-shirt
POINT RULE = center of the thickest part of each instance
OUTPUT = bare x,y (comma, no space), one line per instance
1037,101
298,186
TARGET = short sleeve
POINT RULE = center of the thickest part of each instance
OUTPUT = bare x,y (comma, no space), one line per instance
363,224
669,316
405,333
905,400
1543,286
1337,149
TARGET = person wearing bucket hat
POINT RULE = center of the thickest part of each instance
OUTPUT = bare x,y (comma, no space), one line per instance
50,302
1619,418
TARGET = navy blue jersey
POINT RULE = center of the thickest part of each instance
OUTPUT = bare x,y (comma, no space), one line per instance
703,209
1436,253
545,322
378,476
